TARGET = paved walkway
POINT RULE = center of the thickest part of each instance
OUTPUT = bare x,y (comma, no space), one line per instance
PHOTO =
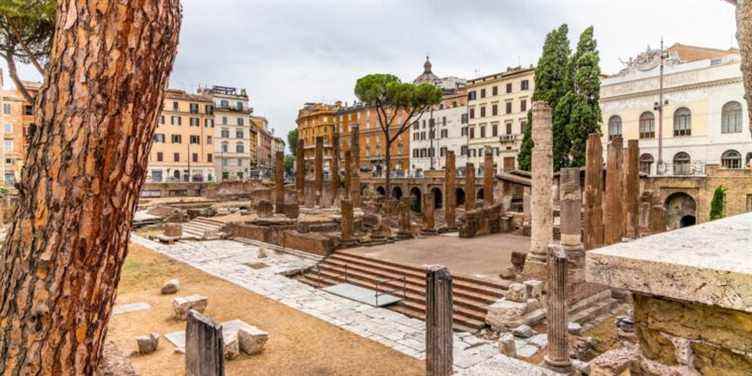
238,263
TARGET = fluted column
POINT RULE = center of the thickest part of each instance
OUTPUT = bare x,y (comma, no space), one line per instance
300,171
469,187
319,170
557,358
439,308
449,190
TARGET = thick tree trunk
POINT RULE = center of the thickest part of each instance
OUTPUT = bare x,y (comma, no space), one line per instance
744,37
85,165
388,158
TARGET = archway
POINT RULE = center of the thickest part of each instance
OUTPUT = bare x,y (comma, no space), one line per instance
460,195
396,193
479,196
681,210
381,191
438,198
417,199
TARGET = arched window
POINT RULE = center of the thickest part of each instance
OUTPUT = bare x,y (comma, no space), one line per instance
240,148
225,147
731,118
647,125
614,127
681,163
682,122
731,159
646,163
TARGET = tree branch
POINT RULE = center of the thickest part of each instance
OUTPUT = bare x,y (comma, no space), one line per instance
13,72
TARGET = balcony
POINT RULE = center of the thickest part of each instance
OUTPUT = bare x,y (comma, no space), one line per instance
505,138
681,169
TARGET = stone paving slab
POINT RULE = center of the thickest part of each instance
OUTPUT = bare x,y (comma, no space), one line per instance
128,308
225,259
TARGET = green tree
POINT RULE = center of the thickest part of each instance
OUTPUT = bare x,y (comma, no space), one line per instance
524,158
26,30
395,99
289,163
292,141
551,85
580,107
718,204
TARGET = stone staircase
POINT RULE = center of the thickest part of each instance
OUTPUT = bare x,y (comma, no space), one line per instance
471,296
202,228
592,308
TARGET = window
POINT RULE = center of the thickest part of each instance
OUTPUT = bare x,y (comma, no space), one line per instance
463,132
193,108
8,146
463,150
483,111
647,125
494,110
8,128
444,133
240,148
523,105
509,127
471,95
472,113
509,88
731,159
175,106
682,122
6,108
28,110
156,175
161,119
495,90
509,107
240,121
614,127
195,122
463,119
224,120
208,123
224,103
525,85
209,157
646,163
483,131
176,139
225,147
224,133
159,138
239,106
208,140
194,157
482,93
416,126
495,130
472,132
176,157
160,156
176,120
443,121
681,163
195,139
731,118
239,133
209,109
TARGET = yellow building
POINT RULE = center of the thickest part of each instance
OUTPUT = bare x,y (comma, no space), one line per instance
263,144
183,141
317,120
497,107
17,117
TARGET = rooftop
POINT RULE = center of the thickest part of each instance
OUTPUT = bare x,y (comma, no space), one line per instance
183,95
706,263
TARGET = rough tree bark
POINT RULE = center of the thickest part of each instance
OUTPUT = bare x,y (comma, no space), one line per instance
744,37
86,162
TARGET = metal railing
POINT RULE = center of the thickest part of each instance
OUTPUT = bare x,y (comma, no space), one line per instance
393,291
681,169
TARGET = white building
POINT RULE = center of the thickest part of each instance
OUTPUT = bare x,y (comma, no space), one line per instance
438,131
703,113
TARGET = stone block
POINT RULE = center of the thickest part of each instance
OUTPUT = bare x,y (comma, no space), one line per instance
713,360
534,289
616,362
311,242
518,260
540,340
527,351
252,340
507,345
232,347
183,304
148,344
264,208
173,230
517,292
533,304
291,210
574,328
171,287
507,273
523,331
505,314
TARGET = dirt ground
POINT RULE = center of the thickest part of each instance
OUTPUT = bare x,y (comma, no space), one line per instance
298,344
481,257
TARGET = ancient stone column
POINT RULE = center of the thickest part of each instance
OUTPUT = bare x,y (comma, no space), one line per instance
355,180
450,174
429,221
204,346
469,187
346,208
318,168
614,211
405,229
439,309
300,171
334,166
348,173
488,178
541,229
570,207
279,182
594,193
632,190
557,358
657,215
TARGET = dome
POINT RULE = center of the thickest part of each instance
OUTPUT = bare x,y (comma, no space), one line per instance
427,76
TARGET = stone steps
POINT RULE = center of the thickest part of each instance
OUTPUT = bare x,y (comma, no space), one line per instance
200,228
591,308
471,296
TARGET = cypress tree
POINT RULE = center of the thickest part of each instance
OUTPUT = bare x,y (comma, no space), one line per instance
551,78
718,204
582,102
524,159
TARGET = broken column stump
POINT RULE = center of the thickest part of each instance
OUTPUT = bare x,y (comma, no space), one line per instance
279,181
450,172
557,358
204,346
439,308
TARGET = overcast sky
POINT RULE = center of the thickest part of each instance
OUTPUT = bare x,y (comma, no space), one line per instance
286,52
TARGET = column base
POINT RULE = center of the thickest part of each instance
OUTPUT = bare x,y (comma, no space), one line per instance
536,266
563,367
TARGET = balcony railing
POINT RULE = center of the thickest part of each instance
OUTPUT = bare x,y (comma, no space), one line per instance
681,169
508,138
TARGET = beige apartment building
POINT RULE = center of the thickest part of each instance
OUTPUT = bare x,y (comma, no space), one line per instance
16,117
263,145
233,133
497,107
183,141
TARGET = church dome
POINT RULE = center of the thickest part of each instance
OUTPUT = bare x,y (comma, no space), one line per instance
427,76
